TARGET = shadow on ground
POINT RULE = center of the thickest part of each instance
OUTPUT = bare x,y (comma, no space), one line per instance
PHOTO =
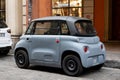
112,64
60,71
47,69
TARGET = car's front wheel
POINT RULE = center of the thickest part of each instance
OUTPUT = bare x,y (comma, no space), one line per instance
5,52
21,58
72,66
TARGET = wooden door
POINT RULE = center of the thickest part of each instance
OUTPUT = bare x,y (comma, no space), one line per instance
115,19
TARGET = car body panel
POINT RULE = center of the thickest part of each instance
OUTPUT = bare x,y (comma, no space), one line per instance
47,50
77,46
44,48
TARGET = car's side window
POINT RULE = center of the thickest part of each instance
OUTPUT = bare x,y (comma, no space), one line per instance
46,28
30,29
64,28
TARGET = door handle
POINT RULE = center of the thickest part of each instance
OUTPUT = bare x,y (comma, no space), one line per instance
27,38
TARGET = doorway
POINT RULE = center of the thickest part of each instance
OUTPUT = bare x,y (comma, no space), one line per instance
115,20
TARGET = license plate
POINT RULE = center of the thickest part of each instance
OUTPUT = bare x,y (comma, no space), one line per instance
95,60
2,34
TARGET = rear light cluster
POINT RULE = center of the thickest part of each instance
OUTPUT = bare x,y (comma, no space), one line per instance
85,49
9,30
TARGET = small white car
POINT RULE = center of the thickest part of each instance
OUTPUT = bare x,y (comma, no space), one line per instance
5,38
65,42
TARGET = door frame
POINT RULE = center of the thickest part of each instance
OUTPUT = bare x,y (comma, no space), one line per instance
108,19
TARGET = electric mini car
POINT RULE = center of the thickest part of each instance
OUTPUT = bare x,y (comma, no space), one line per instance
5,38
64,42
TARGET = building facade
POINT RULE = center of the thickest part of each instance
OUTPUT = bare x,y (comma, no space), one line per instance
14,13
103,13
92,9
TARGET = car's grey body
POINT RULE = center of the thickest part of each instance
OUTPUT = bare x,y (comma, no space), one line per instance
44,50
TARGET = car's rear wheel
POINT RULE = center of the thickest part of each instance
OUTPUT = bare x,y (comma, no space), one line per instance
21,58
72,66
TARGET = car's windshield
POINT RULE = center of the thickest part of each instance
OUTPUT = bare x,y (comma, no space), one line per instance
85,28
3,25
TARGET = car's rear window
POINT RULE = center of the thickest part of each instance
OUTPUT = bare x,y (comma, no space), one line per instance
3,25
85,28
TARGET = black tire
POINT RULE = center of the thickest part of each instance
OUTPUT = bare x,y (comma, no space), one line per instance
72,66
21,59
5,52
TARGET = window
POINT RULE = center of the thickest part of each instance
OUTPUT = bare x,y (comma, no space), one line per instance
2,9
64,29
85,28
44,28
67,7
30,29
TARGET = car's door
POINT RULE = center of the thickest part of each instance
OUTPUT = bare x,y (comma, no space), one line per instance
45,42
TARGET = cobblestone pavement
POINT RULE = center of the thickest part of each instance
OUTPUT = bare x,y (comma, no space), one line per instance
9,71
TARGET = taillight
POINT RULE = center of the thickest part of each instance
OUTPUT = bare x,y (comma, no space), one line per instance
85,49
9,30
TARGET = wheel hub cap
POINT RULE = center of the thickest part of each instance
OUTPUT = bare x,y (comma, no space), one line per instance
71,65
21,59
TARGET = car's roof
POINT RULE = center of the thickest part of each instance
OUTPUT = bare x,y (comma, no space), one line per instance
67,18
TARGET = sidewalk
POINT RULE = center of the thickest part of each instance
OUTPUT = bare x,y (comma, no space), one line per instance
112,55
112,51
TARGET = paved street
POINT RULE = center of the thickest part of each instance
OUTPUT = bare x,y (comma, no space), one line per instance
112,55
9,71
